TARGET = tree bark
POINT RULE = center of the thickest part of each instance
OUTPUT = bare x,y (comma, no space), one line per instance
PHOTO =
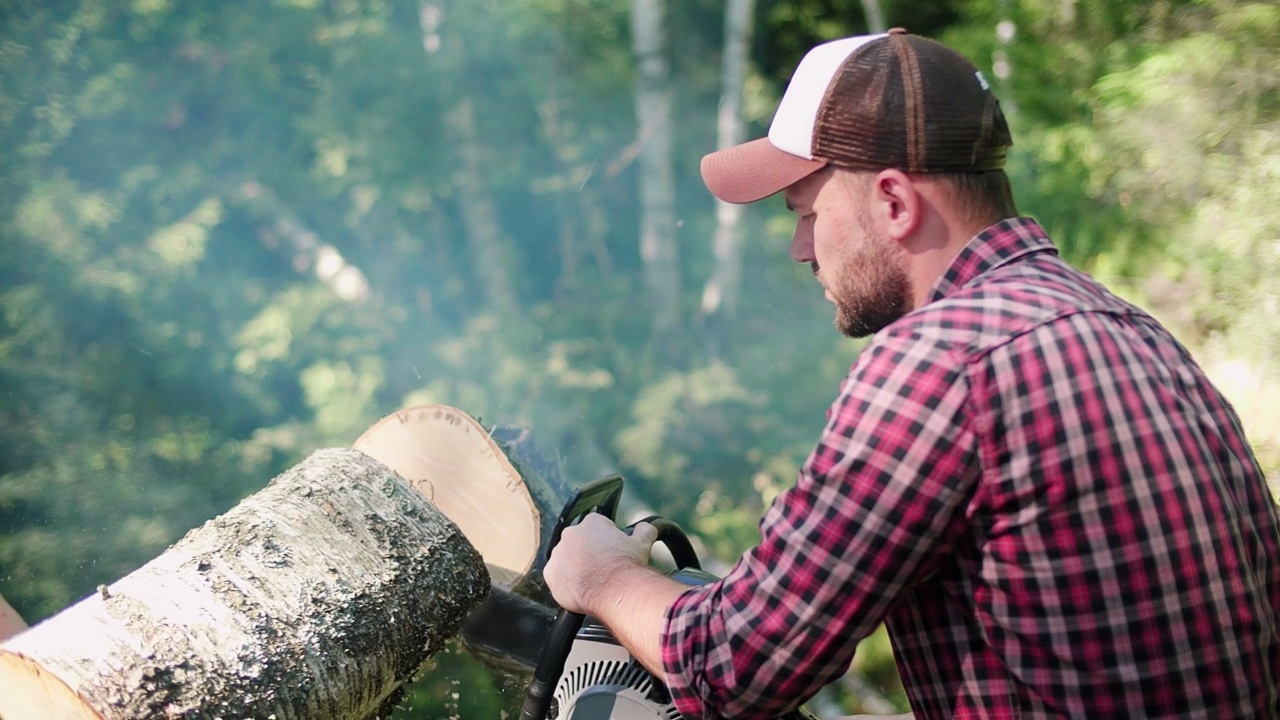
317,597
507,507
498,489
657,180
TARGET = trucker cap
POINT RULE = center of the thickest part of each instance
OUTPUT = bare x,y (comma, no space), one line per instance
870,102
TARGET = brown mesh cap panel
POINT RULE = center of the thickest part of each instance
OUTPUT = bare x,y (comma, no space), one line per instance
913,104
912,101
860,122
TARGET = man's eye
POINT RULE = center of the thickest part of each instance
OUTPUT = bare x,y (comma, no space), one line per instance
808,217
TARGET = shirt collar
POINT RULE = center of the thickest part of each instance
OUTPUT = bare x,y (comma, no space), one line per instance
989,249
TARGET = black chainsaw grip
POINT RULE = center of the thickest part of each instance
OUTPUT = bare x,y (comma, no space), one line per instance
537,700
671,535
600,496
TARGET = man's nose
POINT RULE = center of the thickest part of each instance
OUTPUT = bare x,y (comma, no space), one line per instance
802,244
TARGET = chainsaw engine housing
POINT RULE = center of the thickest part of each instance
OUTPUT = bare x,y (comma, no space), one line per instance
583,672
601,681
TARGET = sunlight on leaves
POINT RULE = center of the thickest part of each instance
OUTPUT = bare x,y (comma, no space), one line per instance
342,396
181,245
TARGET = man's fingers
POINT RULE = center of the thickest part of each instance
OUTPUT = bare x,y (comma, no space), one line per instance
645,533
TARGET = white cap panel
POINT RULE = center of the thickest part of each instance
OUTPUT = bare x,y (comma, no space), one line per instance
792,127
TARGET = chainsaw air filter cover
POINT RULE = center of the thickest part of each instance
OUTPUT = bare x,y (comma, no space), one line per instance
601,681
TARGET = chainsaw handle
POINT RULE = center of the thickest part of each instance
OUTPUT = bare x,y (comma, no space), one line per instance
671,535
602,496
537,699
599,496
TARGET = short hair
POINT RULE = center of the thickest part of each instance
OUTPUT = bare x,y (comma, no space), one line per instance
980,199
983,198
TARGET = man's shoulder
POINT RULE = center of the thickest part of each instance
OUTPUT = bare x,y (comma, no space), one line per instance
1003,304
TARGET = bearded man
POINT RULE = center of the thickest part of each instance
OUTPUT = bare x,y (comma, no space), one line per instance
1028,479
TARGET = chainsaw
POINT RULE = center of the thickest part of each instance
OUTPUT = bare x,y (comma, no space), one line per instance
583,672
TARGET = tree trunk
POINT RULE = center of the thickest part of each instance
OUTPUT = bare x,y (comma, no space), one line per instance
875,16
583,222
657,181
720,294
317,597
507,507
479,214
285,233
475,196
500,491
1002,60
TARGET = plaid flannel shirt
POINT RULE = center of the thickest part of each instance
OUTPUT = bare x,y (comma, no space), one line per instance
1037,489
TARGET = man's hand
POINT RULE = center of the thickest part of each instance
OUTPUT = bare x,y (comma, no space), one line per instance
590,557
601,571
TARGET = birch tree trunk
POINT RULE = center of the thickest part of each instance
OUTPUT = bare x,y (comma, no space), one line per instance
657,181
506,497
317,597
875,16
499,490
720,294
1002,60
282,231
479,215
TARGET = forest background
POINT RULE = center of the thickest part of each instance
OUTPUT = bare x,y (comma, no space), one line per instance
233,233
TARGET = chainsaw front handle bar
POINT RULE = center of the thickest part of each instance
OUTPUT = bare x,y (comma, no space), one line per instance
601,496
671,535
537,699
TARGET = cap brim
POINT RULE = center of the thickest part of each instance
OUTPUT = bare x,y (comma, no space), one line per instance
753,171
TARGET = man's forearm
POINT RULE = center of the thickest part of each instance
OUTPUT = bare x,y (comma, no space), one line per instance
632,601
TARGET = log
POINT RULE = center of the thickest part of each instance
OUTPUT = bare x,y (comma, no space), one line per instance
317,597
436,447
507,507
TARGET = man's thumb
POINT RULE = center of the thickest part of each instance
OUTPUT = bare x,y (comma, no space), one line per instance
645,533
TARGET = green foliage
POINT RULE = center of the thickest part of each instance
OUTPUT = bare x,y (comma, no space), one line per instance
874,661
456,686
1192,135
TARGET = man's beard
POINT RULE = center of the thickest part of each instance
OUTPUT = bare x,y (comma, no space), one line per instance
872,288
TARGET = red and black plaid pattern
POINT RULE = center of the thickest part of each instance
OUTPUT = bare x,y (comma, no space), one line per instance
1037,489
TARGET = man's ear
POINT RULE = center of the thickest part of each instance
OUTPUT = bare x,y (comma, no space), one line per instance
898,203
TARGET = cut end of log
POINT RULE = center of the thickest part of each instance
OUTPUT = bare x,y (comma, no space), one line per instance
29,692
449,458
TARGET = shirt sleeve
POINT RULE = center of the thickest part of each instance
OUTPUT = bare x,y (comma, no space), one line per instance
876,504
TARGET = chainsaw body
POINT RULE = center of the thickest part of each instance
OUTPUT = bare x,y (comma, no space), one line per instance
584,673
601,681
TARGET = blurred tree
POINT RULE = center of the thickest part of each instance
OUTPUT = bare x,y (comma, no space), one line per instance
653,98
720,293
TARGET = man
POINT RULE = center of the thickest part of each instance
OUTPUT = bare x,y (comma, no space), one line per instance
1028,479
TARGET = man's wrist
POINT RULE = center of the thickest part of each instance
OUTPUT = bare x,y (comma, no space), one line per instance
604,588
